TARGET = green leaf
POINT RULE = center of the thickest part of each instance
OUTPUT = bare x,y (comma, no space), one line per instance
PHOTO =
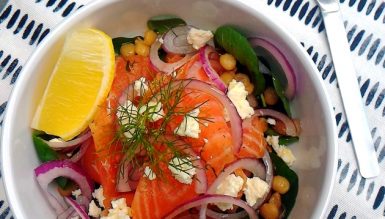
281,169
163,23
119,41
287,140
45,154
236,44
281,94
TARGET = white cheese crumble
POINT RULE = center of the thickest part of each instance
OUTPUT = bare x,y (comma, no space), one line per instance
56,140
98,195
182,169
255,188
237,94
140,86
76,193
154,110
76,217
119,210
123,110
271,121
282,151
230,186
93,209
149,173
190,125
198,38
161,40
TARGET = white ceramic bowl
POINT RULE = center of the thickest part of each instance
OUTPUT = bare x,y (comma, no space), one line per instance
316,151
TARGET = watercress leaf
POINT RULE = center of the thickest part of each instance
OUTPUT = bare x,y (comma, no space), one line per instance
281,169
287,140
163,23
236,44
281,94
119,41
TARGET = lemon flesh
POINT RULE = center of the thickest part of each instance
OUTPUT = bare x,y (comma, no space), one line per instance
79,83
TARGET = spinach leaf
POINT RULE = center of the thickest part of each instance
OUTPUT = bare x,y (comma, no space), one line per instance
163,23
45,154
236,44
281,169
281,94
282,140
119,41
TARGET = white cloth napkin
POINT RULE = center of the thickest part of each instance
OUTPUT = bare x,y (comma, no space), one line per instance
24,23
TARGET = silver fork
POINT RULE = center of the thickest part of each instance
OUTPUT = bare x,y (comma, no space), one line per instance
349,89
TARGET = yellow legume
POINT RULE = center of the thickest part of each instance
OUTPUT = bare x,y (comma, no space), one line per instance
227,77
242,78
141,48
149,37
271,97
280,184
227,61
269,211
127,50
276,199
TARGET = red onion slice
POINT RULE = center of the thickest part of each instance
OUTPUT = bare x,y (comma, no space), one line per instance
291,129
78,208
211,73
235,120
68,144
207,199
47,172
82,150
168,68
175,41
282,60
128,177
128,94
67,213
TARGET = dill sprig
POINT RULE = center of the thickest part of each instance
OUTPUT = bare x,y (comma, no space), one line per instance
141,138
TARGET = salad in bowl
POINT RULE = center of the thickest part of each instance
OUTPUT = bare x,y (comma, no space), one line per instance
178,122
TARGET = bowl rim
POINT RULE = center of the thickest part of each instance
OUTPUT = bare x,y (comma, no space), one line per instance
292,43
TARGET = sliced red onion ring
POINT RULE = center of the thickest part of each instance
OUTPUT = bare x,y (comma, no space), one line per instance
168,68
128,177
47,172
207,199
254,166
235,120
68,144
78,208
282,60
213,75
175,41
82,150
66,214
291,129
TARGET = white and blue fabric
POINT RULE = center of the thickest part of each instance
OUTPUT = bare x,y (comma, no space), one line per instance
25,23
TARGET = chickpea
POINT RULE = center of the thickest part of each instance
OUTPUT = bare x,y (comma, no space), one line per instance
271,97
280,184
149,37
242,78
252,100
227,61
276,199
227,77
141,48
127,50
249,88
269,211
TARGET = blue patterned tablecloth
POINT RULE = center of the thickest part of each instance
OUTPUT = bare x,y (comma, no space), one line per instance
25,23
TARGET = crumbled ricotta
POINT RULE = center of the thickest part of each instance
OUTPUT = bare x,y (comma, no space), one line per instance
271,121
140,86
282,151
128,108
237,94
190,125
93,209
119,210
76,193
99,196
198,38
230,186
255,188
182,169
149,173
154,110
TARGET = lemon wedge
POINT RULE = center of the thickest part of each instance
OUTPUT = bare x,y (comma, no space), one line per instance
79,83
